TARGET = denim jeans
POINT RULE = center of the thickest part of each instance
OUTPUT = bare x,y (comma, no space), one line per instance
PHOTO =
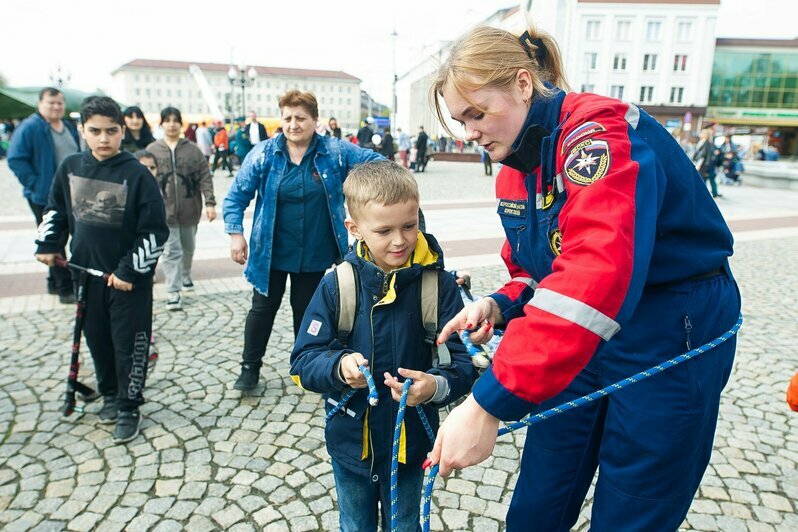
358,496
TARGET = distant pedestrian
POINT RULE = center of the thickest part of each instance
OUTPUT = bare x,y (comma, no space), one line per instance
704,160
241,141
421,149
731,161
138,134
256,131
184,179
404,146
332,128
204,140
386,146
221,149
364,135
486,161
40,143
113,209
191,133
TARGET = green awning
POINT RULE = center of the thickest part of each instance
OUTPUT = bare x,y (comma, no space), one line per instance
19,102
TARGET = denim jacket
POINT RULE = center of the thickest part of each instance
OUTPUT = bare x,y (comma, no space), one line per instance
261,173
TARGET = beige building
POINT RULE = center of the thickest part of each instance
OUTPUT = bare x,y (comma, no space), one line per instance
155,84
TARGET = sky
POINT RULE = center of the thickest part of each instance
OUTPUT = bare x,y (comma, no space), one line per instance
88,39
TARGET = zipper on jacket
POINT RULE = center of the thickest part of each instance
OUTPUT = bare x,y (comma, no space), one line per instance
518,237
688,328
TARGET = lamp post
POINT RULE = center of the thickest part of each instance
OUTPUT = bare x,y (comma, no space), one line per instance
394,35
242,77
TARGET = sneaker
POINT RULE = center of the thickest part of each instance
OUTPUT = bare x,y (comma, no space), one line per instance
109,412
67,298
127,426
188,283
248,379
51,288
174,302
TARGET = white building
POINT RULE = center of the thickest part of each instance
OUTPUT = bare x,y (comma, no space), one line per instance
656,53
155,84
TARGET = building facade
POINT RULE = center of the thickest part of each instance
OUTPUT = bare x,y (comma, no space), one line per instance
155,84
754,90
654,53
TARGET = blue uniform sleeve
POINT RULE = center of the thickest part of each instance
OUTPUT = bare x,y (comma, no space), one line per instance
460,376
317,351
244,187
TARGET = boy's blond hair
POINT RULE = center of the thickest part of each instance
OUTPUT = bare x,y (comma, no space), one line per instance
384,182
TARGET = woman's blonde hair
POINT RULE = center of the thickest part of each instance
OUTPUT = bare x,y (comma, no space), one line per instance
491,57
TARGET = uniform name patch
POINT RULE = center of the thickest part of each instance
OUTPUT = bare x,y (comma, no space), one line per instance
585,130
515,208
314,328
588,162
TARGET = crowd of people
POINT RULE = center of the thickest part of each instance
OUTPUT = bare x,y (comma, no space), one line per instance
617,259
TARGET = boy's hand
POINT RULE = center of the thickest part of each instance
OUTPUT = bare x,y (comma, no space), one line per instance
350,372
118,284
238,248
210,210
47,258
421,391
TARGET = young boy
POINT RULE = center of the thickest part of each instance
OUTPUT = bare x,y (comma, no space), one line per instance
184,179
388,337
113,209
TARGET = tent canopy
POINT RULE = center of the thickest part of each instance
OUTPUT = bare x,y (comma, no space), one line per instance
19,102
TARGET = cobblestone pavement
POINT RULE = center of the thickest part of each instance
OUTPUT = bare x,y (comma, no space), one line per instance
209,458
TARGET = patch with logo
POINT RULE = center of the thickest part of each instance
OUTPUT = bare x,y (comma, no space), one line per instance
578,134
555,242
588,162
515,208
314,328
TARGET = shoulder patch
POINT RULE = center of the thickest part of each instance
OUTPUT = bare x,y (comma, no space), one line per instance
314,328
555,242
588,162
585,130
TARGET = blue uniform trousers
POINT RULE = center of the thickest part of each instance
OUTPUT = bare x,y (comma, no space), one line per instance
651,441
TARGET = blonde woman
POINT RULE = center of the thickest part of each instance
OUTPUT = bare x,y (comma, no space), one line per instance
618,261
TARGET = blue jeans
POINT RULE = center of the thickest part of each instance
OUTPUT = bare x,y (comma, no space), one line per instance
358,496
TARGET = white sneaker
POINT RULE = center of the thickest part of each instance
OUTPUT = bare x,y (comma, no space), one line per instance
174,302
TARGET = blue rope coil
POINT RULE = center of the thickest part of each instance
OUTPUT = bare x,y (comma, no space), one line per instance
374,398
397,433
585,399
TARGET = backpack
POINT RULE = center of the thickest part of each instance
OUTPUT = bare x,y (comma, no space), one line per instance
348,302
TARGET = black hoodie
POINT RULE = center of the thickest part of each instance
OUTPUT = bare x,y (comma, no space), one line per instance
114,211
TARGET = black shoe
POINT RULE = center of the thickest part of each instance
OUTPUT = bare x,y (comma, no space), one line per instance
188,283
67,298
248,379
127,426
109,412
52,289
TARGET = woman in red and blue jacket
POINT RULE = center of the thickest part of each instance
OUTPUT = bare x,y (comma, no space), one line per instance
618,259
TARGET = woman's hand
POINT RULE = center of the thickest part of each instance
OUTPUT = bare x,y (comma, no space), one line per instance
483,314
210,210
238,248
465,438
421,391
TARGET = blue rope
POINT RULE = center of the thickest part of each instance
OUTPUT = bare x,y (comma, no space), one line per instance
570,405
374,398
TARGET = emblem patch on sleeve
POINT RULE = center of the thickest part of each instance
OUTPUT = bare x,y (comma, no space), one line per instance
588,162
555,242
314,328
578,134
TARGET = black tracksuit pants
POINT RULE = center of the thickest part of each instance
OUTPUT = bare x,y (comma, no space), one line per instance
117,326
260,320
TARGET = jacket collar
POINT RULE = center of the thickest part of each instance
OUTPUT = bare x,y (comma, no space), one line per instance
316,145
541,120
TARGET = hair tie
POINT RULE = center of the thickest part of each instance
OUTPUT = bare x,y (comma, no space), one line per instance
540,50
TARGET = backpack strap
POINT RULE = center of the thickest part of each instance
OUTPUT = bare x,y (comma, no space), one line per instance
441,357
346,284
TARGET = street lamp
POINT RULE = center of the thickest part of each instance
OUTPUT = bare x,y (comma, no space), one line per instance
243,78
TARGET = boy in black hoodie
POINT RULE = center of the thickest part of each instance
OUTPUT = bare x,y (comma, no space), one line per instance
114,211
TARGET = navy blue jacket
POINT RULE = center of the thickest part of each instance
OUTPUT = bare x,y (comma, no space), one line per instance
31,156
388,331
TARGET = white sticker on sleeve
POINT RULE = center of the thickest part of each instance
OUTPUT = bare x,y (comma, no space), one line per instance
315,327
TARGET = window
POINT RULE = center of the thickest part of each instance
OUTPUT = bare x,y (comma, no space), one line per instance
169,92
616,91
684,31
679,63
137,92
588,87
158,80
649,62
591,61
146,92
619,62
623,30
593,29
677,94
169,79
653,30
158,93
135,77
179,93
646,94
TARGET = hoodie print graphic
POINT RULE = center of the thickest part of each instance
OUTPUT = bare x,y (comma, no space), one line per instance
96,202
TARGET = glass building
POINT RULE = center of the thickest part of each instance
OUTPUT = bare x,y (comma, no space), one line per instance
754,89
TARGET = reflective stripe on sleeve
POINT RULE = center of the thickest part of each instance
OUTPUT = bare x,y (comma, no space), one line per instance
575,311
526,280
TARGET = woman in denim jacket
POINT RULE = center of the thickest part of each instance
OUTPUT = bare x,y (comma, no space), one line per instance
298,177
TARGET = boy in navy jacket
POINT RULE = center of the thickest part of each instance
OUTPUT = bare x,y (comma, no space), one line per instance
388,337
113,209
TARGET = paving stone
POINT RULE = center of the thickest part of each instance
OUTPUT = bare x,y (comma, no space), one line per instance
228,516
